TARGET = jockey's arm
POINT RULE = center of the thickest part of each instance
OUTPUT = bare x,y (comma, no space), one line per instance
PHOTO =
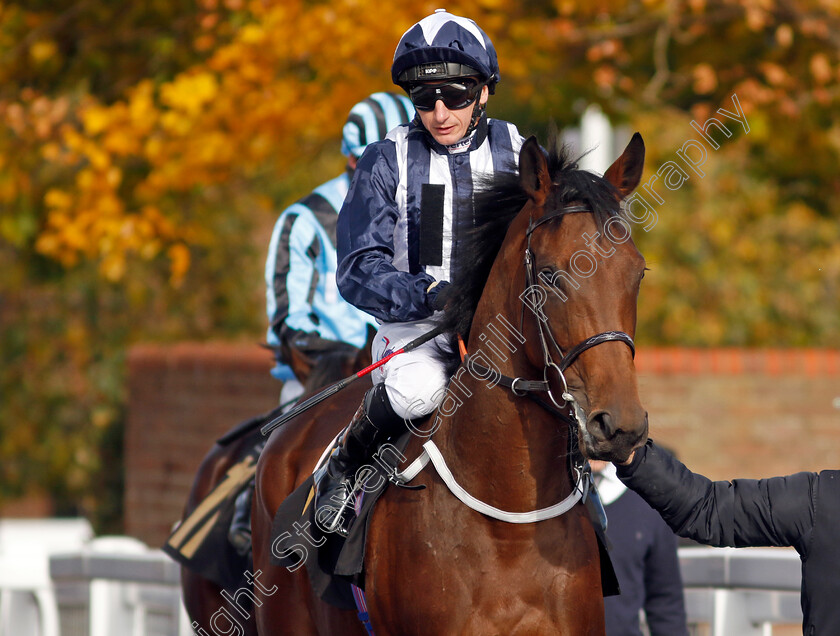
367,277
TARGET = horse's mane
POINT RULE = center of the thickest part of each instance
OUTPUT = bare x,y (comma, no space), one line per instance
497,201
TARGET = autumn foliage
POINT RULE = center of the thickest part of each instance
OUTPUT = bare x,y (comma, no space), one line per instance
145,151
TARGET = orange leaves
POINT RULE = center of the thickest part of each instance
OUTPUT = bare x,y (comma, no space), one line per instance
189,93
784,35
34,116
705,79
277,83
90,218
775,74
820,68
43,51
281,86
93,223
279,76
58,200
179,256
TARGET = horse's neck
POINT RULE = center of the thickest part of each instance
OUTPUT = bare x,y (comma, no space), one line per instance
507,446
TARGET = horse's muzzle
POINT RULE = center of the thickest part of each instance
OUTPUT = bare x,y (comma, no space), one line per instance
607,439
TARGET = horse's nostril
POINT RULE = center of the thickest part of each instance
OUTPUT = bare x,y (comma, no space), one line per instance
602,424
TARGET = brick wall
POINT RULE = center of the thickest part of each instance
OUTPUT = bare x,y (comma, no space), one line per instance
744,413
181,399
726,412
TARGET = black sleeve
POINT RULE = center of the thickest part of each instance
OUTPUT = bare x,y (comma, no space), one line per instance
778,511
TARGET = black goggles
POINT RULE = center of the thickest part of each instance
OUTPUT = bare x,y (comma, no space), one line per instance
455,95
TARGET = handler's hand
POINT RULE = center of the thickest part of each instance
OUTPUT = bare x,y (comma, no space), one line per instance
629,460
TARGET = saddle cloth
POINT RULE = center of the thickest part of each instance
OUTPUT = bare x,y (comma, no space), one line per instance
200,542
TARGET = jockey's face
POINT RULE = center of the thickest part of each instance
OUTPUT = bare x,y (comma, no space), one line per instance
447,125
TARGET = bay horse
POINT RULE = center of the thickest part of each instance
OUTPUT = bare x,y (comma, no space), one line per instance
550,305
201,596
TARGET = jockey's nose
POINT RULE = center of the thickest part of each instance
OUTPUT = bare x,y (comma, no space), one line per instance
441,111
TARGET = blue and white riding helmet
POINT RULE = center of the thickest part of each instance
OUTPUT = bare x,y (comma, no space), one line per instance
372,118
443,46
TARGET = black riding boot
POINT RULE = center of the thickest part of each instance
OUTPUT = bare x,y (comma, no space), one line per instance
239,533
371,425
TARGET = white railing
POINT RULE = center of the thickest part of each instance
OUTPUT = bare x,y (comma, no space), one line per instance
118,586
27,600
125,593
741,592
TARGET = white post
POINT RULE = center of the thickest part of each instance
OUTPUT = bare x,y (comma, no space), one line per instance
731,615
596,138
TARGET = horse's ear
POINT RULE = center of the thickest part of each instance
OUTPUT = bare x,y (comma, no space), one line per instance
533,171
626,173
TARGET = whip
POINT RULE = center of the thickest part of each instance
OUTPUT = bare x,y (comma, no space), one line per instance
341,384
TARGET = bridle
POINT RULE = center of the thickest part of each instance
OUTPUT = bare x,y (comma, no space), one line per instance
527,388
546,336
578,467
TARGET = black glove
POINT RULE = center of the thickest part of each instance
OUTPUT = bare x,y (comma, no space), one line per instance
437,296
307,342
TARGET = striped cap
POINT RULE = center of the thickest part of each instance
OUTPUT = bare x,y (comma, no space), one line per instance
372,118
444,40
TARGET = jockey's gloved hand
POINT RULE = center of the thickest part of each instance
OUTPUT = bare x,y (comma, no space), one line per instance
437,296
308,341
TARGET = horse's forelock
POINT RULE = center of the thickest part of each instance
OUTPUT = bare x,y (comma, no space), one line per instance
573,185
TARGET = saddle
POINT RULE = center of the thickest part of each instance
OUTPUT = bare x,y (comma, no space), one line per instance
200,542
333,563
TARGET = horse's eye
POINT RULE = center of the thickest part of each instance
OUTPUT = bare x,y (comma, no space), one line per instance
546,272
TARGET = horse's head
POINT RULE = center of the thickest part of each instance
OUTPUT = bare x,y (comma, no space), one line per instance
582,276
317,363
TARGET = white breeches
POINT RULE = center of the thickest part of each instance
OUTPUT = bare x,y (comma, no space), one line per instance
415,381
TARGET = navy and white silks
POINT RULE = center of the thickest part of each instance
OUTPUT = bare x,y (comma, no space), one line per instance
301,291
397,235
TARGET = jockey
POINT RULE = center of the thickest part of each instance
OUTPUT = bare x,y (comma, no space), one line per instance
304,307
302,301
396,244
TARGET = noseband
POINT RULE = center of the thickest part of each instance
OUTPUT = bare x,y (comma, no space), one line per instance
542,322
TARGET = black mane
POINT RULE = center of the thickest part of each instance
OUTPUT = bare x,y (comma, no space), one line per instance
497,202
